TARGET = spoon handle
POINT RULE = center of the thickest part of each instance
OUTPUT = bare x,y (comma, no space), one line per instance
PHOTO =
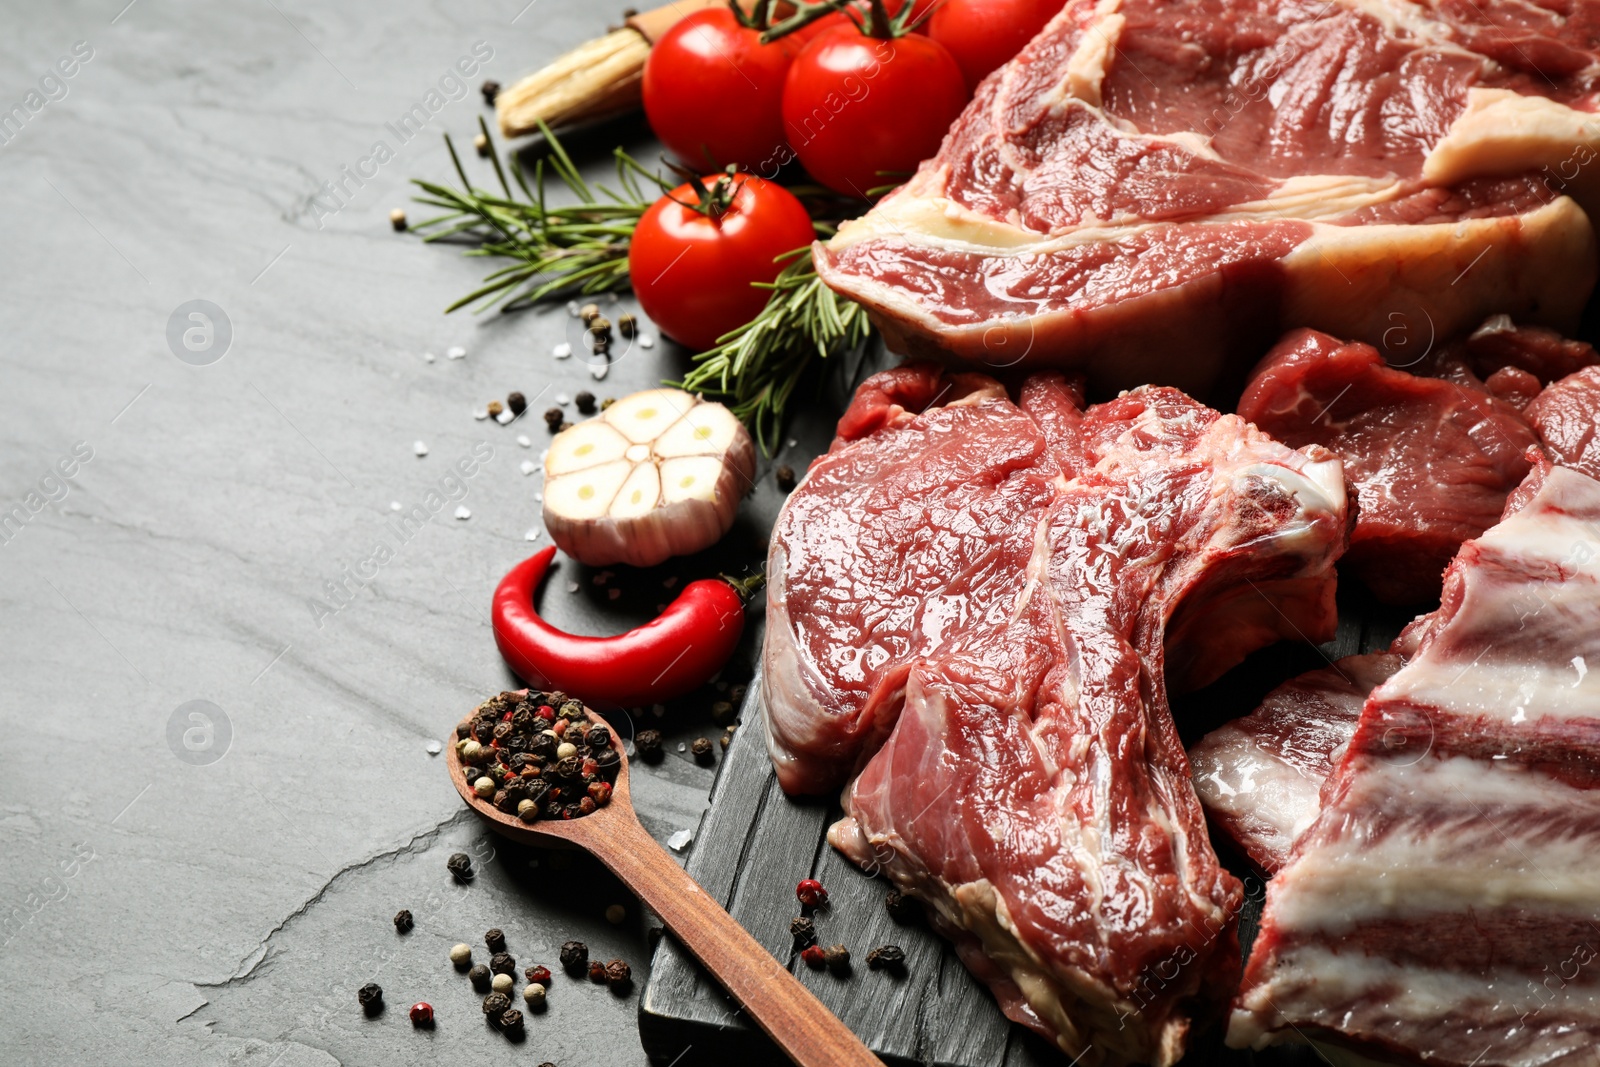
794,1018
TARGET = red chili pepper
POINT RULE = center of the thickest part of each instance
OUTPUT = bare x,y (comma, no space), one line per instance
673,654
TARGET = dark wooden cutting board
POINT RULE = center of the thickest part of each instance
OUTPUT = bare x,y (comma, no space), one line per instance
754,843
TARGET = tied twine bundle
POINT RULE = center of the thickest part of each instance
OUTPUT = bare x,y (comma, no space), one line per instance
599,79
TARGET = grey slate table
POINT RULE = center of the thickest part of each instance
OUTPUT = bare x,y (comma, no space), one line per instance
213,890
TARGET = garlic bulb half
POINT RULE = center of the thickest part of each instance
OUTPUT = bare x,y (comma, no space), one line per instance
657,474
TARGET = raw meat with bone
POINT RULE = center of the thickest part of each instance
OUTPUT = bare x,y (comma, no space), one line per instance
1443,905
1566,416
1152,187
967,603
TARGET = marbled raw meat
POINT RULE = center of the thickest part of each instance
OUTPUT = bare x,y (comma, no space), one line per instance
971,609
1153,189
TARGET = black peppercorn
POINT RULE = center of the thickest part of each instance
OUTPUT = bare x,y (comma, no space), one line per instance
702,750
402,920
597,972
501,731
517,790
569,769
464,727
516,402
480,977
553,417
648,742
784,474
504,801
585,402
460,865
627,324
510,1023
501,962
607,763
483,731
490,89
804,932
575,957
495,938
837,957
597,737
902,909
722,712
495,1004
619,976
890,958
370,997
571,710
544,746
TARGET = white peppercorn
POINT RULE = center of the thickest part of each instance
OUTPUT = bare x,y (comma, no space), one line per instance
484,787
566,750
534,994
461,955
502,983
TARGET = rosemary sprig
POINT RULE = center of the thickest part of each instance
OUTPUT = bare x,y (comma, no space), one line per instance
558,249
756,368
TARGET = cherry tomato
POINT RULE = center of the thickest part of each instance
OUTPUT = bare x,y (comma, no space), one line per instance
862,111
713,92
984,34
692,271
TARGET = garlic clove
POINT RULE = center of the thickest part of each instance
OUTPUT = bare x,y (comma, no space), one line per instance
586,494
690,478
707,429
588,444
639,494
643,417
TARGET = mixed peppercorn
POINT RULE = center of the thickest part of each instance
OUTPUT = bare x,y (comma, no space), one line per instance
836,958
537,756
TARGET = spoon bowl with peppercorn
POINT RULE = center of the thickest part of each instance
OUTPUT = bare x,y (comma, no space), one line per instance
542,769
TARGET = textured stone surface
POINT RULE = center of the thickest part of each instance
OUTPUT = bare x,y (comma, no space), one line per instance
161,909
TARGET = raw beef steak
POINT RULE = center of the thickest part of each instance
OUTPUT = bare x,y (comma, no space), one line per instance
1443,907
1431,459
1566,416
1155,187
967,605
1260,777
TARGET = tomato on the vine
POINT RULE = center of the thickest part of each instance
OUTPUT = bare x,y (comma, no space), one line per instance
713,92
697,251
862,111
984,34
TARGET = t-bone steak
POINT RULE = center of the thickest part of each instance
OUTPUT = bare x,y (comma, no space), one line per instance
975,607
1155,188
1443,905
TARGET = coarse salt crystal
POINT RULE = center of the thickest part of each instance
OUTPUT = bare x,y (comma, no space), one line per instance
504,417
434,748
572,587
682,747
573,308
394,505
419,448
480,413
524,441
527,467
680,840
463,513
646,341
563,399
456,352
599,370
531,535
562,350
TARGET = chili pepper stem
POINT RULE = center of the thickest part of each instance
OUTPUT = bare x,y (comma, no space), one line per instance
748,586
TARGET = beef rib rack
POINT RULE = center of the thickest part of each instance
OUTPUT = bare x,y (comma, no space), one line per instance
1442,907
1152,189
974,608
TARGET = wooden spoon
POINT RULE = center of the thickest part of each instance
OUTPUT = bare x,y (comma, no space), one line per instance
774,998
